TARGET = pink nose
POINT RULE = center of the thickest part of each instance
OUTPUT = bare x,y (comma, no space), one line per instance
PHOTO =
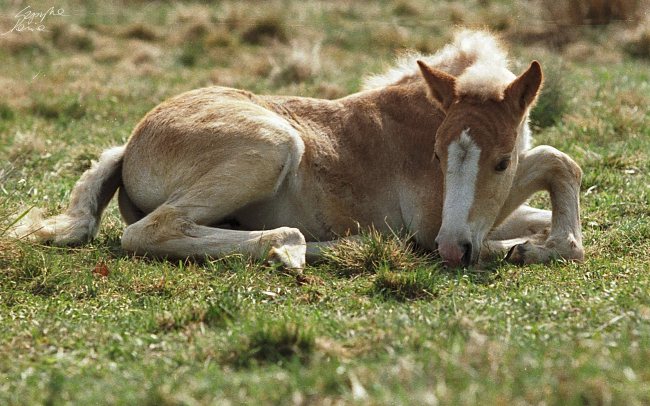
455,255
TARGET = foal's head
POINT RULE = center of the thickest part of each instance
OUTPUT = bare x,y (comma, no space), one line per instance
477,148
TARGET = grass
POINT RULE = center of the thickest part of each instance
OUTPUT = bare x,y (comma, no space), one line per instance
372,251
553,101
276,342
377,322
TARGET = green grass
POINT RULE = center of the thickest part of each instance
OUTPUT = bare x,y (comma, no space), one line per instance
377,322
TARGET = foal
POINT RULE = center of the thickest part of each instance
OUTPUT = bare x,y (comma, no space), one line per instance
438,146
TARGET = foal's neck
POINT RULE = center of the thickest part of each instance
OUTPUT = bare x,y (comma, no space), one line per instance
401,119
408,103
410,116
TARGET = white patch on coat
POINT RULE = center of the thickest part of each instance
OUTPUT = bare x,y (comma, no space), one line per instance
460,183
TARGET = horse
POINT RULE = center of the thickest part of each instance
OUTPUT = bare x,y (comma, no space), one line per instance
438,146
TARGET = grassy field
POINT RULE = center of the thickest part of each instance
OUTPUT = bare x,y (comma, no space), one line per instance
375,323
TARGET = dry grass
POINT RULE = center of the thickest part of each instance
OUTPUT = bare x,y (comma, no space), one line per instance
373,251
265,29
300,63
594,12
569,27
9,247
19,43
406,8
26,144
141,31
637,42
72,37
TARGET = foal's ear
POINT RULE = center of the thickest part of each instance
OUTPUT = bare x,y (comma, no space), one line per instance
523,90
441,84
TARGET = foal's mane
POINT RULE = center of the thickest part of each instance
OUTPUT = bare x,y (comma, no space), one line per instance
475,58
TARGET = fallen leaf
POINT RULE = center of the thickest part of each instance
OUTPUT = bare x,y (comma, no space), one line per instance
101,269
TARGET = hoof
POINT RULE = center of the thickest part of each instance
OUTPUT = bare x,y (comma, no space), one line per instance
530,253
289,257
517,254
291,252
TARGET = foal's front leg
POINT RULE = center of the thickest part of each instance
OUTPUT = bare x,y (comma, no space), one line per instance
546,168
524,224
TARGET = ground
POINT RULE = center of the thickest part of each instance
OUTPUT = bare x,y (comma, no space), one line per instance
375,323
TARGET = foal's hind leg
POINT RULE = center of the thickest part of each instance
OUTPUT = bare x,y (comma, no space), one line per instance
169,231
178,228
546,168
239,173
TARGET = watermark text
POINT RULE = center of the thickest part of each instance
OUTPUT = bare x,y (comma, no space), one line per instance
30,20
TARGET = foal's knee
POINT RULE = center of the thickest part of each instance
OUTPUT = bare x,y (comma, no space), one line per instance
558,165
144,236
135,239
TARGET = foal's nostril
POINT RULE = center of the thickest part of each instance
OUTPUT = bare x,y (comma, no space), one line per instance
466,248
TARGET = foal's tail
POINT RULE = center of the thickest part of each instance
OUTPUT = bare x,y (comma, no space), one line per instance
88,199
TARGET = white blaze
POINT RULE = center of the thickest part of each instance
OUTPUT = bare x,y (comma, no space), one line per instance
460,185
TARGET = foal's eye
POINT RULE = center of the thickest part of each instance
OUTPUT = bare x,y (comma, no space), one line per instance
502,165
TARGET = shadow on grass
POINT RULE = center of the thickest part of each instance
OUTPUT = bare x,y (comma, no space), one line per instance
424,283
273,342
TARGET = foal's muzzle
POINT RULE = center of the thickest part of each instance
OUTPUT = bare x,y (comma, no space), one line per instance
456,254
